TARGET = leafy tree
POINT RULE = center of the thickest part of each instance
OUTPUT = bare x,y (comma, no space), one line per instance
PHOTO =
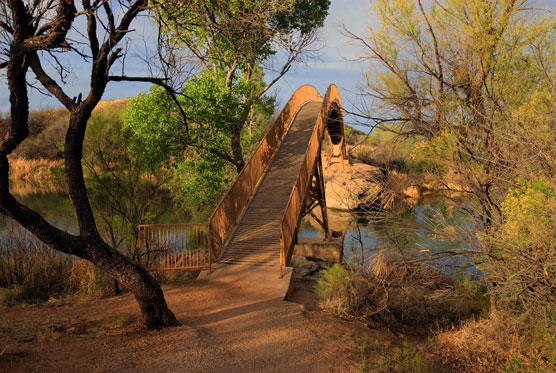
472,84
199,156
232,41
30,32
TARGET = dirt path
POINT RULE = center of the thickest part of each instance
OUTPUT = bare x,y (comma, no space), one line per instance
223,329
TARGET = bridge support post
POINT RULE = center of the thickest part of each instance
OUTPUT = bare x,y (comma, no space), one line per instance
322,196
317,196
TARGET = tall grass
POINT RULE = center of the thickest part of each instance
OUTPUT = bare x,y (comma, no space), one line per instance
31,272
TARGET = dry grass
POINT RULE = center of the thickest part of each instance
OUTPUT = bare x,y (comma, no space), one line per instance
22,189
502,342
34,170
31,272
406,295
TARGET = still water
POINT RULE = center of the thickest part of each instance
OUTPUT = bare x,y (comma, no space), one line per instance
429,229
56,208
407,229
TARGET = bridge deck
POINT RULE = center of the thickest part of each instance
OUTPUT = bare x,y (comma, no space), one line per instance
256,241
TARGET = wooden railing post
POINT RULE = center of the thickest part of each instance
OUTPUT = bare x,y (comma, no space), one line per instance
174,246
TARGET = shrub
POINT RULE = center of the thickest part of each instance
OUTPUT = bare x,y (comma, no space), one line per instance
401,292
524,268
502,342
332,290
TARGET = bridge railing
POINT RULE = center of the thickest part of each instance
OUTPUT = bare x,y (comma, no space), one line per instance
173,246
229,211
292,213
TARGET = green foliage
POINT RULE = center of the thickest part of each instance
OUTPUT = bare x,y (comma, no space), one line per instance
231,40
247,32
332,290
217,107
385,356
125,190
198,158
529,214
524,268
201,181
302,16
425,154
154,130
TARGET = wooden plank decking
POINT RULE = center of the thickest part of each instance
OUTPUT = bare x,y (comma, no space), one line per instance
256,241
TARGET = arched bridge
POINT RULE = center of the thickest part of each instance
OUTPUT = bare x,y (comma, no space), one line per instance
257,220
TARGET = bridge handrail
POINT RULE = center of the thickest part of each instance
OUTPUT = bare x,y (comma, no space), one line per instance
226,215
173,246
292,213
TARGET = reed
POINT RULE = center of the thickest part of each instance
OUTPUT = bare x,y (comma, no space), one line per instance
34,170
31,272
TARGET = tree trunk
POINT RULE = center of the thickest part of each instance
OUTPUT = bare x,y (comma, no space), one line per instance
88,244
237,151
137,280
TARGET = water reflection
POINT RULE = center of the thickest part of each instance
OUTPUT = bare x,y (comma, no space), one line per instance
430,229
56,209
419,229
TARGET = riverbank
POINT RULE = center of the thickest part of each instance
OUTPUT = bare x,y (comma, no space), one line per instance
361,182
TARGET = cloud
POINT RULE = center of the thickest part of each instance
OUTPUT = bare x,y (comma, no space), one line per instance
334,66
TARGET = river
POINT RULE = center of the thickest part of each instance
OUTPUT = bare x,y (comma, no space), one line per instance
407,228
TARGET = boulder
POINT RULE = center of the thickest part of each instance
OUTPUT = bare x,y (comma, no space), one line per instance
348,185
304,267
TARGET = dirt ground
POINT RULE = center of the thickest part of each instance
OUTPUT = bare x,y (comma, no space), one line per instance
224,328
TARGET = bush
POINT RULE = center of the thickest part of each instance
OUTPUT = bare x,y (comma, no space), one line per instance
401,292
332,290
502,342
524,264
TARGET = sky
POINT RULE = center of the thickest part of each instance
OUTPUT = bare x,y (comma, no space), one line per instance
331,66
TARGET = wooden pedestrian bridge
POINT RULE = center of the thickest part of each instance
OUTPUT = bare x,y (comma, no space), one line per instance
254,227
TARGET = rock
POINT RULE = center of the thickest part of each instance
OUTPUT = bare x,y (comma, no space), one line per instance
304,267
297,262
311,266
345,185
